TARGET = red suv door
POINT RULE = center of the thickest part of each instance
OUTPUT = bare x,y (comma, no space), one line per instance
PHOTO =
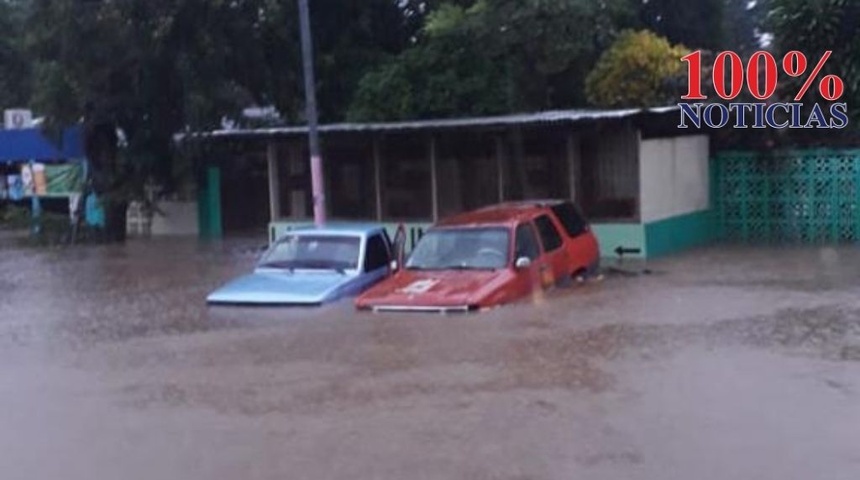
555,254
581,244
527,246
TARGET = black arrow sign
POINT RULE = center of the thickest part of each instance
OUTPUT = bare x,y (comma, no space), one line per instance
620,251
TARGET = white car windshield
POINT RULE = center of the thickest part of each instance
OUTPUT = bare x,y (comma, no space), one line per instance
461,248
318,252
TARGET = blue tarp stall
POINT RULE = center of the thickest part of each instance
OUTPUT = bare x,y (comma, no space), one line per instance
65,170
26,146
73,142
18,146
73,148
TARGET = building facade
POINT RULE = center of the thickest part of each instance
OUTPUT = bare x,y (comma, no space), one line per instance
644,187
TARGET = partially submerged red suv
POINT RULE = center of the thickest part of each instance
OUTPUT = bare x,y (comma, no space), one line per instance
488,257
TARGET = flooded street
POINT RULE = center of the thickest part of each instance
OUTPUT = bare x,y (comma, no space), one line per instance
723,363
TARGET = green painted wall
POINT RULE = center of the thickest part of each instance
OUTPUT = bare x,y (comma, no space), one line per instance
202,209
609,235
808,196
613,235
654,239
680,233
209,205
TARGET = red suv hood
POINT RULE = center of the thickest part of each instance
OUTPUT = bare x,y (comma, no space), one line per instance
443,289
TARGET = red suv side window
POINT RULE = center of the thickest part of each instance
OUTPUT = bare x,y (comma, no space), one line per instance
570,219
526,243
549,236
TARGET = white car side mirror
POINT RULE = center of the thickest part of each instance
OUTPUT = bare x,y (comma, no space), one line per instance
523,263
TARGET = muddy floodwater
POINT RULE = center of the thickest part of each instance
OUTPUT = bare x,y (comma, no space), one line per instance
723,363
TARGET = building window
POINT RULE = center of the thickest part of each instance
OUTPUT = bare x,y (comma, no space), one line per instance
294,180
467,172
406,183
350,176
536,164
607,177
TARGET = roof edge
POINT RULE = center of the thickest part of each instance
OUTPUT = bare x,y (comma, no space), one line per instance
499,121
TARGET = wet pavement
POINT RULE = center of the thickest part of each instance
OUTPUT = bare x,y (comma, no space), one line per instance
722,363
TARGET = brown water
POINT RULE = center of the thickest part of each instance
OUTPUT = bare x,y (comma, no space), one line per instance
724,363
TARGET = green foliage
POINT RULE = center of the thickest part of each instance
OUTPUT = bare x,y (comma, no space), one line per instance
698,24
152,68
812,28
532,54
350,37
436,80
149,69
636,71
484,57
14,67
14,217
445,19
742,20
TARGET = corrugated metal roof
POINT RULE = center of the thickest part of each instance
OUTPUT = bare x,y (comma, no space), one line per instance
547,117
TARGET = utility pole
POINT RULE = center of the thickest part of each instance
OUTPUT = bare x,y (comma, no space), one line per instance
317,184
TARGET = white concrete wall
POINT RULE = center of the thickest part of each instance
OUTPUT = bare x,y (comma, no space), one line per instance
674,176
180,218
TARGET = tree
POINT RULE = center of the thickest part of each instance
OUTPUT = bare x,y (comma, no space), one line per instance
439,79
698,24
168,65
742,26
172,65
812,28
351,37
636,71
14,67
483,57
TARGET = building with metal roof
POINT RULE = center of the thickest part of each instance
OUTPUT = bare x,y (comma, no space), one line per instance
641,180
500,122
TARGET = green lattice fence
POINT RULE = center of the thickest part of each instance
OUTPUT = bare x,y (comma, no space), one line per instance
808,196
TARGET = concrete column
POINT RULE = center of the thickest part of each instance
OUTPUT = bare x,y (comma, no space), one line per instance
434,180
500,166
377,176
637,151
574,162
274,181
297,186
523,189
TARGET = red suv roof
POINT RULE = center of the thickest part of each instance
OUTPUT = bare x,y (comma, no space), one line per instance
507,214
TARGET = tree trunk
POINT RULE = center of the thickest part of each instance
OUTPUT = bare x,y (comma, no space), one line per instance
115,221
107,178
